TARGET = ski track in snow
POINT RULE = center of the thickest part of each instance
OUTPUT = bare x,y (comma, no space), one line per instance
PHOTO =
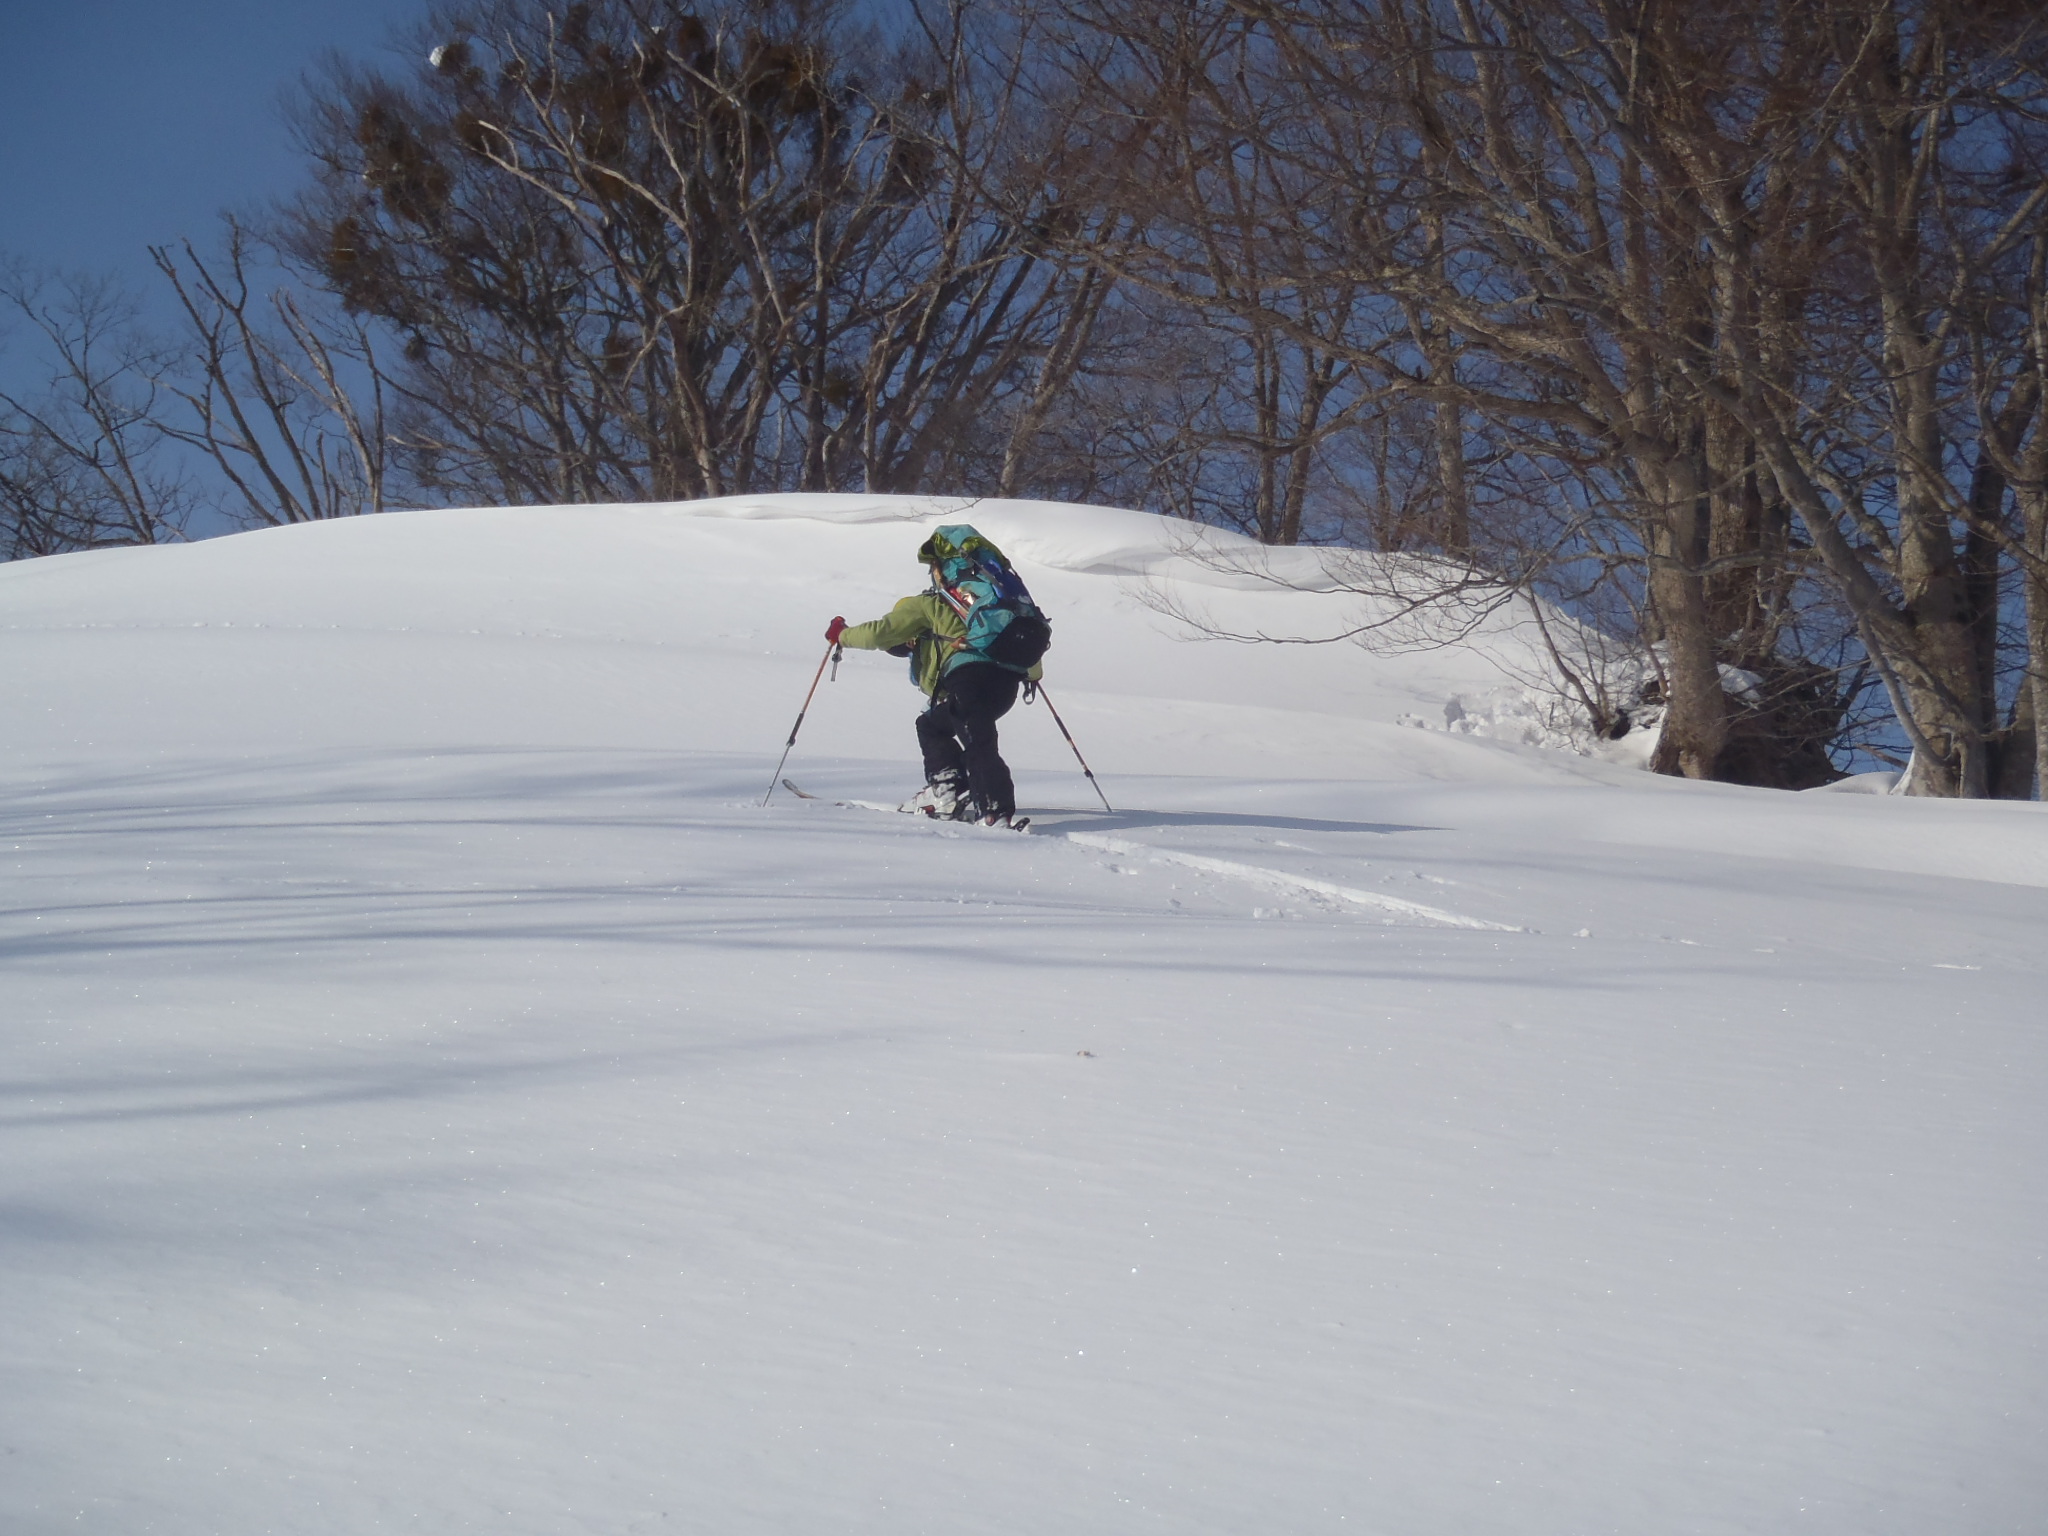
1276,880
1251,874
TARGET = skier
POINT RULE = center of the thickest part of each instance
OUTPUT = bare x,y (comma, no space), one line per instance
966,778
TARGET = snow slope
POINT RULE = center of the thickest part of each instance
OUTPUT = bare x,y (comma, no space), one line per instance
439,1096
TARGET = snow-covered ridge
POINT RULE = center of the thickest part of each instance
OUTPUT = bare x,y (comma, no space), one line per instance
695,626
751,581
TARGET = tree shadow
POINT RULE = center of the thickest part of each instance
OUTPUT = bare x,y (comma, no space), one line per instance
24,1102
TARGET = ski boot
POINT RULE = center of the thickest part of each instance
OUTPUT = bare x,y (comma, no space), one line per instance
944,799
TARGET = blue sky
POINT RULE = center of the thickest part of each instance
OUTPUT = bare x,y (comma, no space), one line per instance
126,123
131,123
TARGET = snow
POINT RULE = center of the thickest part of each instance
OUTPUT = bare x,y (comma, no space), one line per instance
440,1096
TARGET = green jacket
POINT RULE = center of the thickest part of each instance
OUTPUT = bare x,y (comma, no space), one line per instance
929,626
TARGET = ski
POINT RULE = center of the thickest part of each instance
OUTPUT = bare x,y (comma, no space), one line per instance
1015,824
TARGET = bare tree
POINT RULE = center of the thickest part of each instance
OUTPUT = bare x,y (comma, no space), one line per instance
635,251
1919,129
1712,282
82,461
1179,105
274,398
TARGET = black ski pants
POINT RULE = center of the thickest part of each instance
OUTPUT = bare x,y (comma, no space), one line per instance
958,733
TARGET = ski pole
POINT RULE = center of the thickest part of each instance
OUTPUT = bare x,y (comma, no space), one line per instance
831,651
1056,720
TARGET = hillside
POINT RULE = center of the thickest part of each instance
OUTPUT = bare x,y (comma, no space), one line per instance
442,1097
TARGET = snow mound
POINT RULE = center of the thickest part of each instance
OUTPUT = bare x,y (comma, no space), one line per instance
496,612
1526,716
1883,782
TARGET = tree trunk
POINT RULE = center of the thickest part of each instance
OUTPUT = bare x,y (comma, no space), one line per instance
1695,704
2034,513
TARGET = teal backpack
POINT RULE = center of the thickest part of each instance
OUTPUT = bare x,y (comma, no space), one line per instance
1003,624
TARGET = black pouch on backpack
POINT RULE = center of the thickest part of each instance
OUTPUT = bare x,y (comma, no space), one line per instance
1022,642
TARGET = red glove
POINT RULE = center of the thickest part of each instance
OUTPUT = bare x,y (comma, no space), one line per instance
834,630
